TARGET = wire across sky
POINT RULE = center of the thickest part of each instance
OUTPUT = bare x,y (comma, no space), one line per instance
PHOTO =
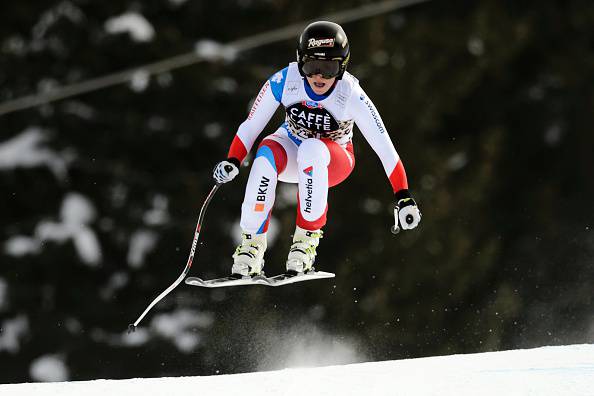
216,52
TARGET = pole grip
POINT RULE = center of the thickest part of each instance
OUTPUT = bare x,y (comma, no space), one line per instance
395,229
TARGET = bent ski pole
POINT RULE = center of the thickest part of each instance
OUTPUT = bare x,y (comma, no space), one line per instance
132,326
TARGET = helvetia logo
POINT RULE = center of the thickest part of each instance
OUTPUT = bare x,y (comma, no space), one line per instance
309,190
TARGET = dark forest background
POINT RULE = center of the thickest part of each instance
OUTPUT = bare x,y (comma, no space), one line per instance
488,102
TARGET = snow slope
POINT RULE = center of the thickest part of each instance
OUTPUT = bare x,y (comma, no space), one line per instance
548,371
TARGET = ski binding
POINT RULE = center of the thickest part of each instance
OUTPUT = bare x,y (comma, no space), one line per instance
274,281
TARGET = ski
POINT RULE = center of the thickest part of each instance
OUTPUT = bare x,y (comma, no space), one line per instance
227,281
294,277
274,281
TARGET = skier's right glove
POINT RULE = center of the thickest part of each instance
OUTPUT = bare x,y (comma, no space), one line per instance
225,171
406,213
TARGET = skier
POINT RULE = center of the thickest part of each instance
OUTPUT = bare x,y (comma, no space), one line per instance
312,148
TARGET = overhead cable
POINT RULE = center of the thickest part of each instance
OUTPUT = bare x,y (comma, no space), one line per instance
222,51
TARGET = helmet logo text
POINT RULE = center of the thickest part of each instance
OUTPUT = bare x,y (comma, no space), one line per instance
315,43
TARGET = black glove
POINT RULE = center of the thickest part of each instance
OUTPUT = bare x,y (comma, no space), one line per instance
406,213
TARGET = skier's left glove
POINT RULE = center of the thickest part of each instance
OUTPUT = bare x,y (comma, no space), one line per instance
225,171
406,213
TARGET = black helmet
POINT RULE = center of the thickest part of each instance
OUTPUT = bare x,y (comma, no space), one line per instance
325,41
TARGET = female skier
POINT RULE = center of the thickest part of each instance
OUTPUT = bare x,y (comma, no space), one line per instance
312,148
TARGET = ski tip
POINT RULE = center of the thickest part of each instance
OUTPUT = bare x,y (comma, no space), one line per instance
131,328
320,274
193,281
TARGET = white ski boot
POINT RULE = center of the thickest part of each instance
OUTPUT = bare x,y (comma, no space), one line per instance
303,250
248,259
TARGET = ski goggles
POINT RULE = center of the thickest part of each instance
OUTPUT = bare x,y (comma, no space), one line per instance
327,68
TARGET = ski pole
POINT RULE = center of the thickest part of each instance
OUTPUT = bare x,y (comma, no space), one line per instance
132,326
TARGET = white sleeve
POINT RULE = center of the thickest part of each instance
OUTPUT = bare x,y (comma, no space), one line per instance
260,114
372,127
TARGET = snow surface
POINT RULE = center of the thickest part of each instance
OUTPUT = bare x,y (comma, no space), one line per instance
547,371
